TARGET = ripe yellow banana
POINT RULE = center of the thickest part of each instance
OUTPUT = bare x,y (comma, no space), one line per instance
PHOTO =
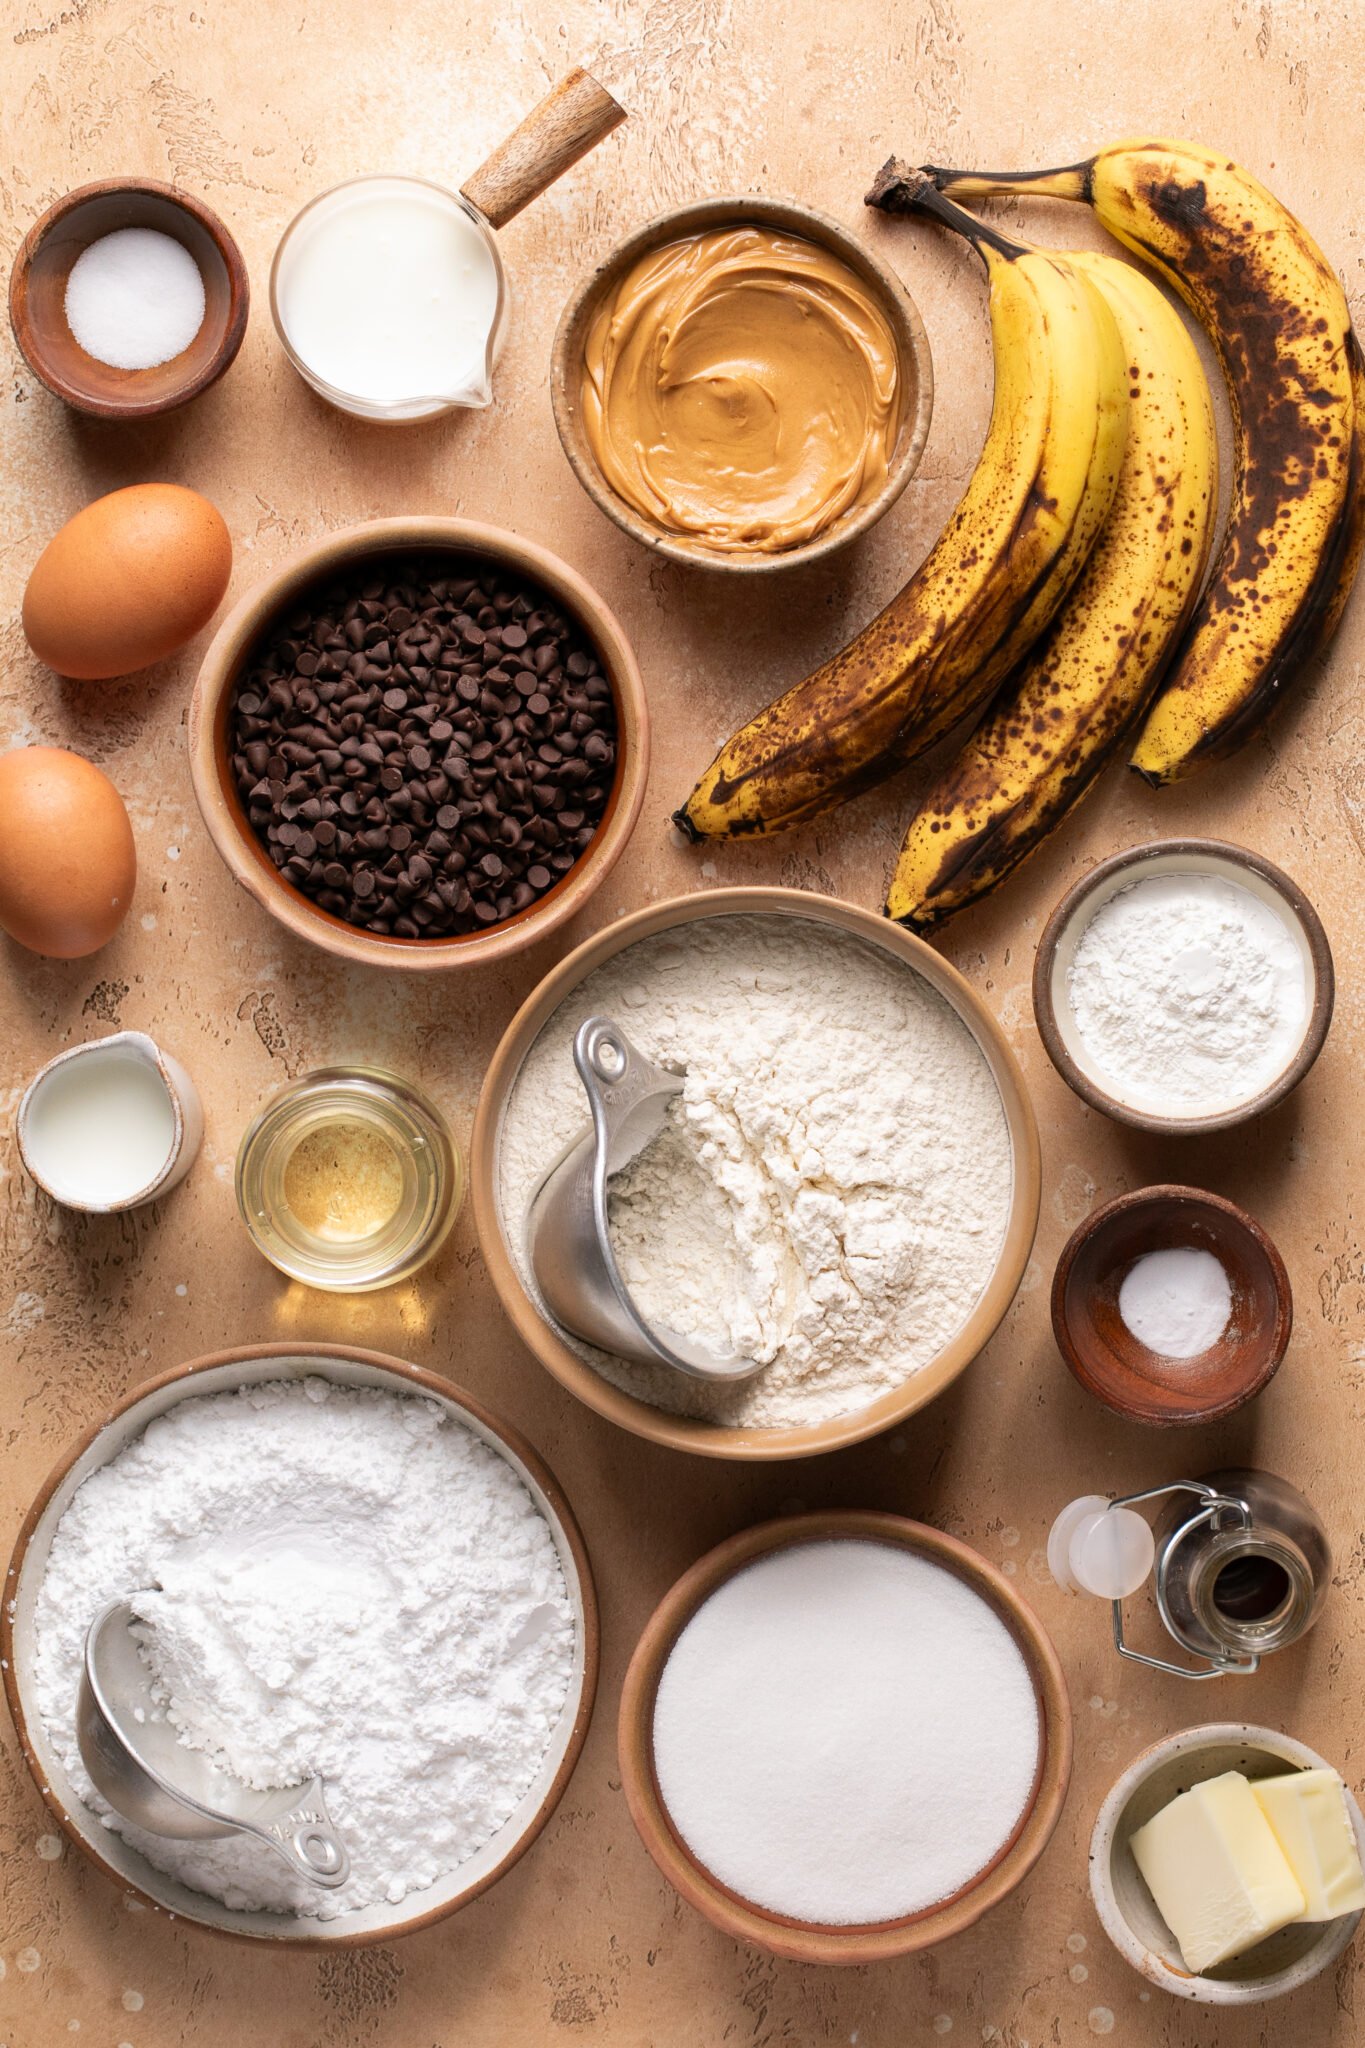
990,584
1278,318
1068,706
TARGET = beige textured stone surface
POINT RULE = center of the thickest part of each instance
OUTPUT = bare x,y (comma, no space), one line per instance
256,104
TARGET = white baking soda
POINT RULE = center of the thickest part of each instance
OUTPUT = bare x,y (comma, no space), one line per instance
1177,1301
340,1580
388,292
845,1732
100,1128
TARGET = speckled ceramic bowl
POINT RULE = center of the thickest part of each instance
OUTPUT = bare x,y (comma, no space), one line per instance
1287,1960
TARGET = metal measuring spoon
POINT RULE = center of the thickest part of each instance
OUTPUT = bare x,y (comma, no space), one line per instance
137,1762
568,1238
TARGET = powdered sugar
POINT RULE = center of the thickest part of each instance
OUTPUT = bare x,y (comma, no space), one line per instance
1189,993
352,1583
845,1732
831,1190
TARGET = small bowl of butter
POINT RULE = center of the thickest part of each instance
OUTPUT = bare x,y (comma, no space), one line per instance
742,384
1225,1865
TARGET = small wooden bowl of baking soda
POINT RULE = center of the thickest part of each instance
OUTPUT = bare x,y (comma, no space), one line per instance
1171,1305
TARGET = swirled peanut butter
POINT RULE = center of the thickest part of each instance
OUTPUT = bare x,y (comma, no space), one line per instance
741,389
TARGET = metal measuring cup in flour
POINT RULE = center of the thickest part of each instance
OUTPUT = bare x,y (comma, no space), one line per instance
137,1762
567,1229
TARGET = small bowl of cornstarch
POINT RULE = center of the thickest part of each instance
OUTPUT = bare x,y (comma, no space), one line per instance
844,1737
1183,986
128,298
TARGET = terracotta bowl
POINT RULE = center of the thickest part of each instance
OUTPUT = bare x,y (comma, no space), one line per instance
804,1941
1057,950
790,218
37,295
1287,1960
545,1339
246,857
1108,1359
222,1372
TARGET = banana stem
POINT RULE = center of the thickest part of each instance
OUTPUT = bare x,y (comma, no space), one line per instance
1070,181
898,188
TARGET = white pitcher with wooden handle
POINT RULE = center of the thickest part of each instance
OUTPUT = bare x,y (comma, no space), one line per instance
389,293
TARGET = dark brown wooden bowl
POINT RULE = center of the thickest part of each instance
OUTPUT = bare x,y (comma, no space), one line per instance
1102,1352
37,298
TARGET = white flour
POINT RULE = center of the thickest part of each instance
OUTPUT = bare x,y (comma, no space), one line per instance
831,1191
1189,993
353,1584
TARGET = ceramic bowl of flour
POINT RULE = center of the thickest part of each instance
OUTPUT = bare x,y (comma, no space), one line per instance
546,1548
1183,986
846,1190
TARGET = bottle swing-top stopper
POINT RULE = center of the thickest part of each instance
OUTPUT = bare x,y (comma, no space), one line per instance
1095,1547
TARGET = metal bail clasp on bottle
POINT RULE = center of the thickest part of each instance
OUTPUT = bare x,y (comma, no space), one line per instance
1239,1560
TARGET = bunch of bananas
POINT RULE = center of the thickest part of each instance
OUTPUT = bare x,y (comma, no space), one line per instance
1064,595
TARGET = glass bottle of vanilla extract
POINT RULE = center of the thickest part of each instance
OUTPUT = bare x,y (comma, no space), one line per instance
1239,1563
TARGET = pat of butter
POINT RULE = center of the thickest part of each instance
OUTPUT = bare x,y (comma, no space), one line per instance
1308,1814
1220,1879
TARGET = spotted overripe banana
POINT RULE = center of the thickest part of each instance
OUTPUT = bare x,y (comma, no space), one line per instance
992,581
1067,708
1277,316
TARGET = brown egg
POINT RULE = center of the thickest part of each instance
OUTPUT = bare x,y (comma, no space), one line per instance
67,863
127,581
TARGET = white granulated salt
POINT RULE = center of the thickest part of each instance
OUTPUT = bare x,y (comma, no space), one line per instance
831,1189
352,1583
135,298
1177,1301
1189,993
845,1732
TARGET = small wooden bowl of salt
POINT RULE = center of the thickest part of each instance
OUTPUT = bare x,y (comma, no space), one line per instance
1171,1306
128,298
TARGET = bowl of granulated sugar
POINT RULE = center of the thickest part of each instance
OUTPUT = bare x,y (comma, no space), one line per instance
1183,986
844,1737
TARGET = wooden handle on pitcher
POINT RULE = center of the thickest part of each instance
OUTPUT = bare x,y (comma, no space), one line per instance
567,123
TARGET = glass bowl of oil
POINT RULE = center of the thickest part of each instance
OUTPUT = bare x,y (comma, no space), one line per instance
349,1179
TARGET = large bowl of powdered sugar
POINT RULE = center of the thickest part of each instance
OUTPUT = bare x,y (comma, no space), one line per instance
845,1189
346,1568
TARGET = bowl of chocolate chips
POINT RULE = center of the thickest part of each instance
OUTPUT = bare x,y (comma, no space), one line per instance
421,743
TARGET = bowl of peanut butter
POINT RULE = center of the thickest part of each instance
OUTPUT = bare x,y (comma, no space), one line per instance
742,384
